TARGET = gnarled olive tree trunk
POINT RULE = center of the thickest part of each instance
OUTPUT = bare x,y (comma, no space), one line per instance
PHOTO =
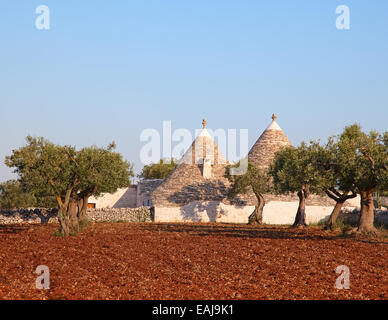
257,215
68,219
82,208
334,215
300,218
367,212
340,199
71,212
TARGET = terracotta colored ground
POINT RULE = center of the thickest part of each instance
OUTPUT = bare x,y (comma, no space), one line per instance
189,261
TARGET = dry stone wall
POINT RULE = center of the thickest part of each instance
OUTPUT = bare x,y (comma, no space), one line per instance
353,216
34,215
43,216
141,214
219,213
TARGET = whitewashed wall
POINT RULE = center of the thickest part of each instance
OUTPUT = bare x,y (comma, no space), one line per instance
275,212
122,198
355,202
278,212
207,211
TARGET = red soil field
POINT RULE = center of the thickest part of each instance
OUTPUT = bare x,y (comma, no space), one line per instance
190,261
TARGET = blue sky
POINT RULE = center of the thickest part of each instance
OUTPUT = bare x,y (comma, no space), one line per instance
106,70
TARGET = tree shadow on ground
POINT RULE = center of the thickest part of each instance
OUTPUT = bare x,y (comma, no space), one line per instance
246,231
13,229
243,231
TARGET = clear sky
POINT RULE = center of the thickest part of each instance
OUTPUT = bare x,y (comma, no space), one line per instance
106,70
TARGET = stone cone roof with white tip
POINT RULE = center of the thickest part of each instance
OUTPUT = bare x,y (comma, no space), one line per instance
187,182
271,140
263,153
203,147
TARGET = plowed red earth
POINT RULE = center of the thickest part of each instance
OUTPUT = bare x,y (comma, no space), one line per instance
189,261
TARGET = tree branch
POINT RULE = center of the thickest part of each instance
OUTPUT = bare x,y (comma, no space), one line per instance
337,193
350,196
368,156
332,196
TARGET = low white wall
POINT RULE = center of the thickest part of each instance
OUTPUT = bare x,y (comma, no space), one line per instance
275,212
278,212
207,211
122,198
355,202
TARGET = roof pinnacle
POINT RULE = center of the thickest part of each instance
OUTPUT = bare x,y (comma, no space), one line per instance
274,116
204,123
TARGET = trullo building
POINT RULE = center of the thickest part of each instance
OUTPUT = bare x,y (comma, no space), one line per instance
196,190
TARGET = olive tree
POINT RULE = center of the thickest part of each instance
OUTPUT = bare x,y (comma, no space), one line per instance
364,160
293,170
335,182
12,196
253,179
158,170
69,175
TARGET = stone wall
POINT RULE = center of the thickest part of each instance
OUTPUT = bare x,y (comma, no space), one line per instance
42,216
204,211
140,214
208,211
35,215
352,216
144,189
383,201
275,212
312,200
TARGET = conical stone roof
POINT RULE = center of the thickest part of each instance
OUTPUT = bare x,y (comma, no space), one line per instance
271,140
203,147
187,182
